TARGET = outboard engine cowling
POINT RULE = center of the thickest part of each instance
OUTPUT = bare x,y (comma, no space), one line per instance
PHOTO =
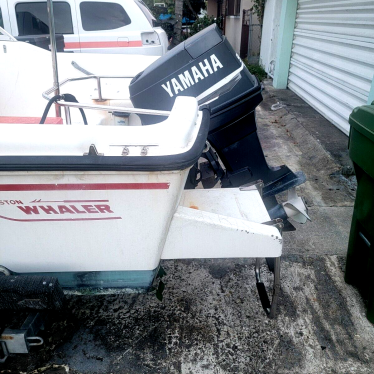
201,67
206,66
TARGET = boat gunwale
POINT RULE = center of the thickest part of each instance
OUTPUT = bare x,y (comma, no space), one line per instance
178,161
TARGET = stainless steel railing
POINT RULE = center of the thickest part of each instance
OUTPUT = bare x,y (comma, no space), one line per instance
67,105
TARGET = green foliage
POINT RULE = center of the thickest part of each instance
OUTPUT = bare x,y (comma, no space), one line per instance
158,10
258,8
256,70
202,23
191,8
169,28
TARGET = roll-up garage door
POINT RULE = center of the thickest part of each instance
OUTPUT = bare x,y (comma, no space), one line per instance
332,62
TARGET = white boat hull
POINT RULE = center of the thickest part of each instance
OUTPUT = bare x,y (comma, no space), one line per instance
111,229
92,221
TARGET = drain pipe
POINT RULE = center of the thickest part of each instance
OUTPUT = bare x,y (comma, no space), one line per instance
52,37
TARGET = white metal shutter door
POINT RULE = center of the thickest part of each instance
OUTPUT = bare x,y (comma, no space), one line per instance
332,62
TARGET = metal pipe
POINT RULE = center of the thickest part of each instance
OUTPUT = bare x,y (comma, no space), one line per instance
52,37
46,93
67,115
276,288
99,89
120,109
107,108
257,270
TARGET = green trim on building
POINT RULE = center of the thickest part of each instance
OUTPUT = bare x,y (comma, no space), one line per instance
371,93
285,39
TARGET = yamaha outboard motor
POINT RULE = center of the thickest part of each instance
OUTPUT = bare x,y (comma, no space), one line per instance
206,66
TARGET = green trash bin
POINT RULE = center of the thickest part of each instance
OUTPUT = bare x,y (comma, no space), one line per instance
360,256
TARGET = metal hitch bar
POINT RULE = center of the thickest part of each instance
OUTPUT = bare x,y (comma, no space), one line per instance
20,340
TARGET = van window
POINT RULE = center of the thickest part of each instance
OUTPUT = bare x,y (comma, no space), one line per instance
32,18
97,16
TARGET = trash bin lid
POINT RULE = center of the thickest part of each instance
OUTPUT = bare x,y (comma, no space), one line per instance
362,119
361,138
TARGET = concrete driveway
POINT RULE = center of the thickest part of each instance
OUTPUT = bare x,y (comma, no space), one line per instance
211,320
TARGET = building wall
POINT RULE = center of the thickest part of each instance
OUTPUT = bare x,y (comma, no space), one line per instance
248,4
254,43
332,62
270,31
233,24
233,31
211,8
324,53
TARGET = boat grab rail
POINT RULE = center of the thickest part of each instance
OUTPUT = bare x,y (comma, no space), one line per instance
67,105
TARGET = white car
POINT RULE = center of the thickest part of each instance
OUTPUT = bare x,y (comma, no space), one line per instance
94,26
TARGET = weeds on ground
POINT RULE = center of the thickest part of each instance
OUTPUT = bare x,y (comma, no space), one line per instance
256,70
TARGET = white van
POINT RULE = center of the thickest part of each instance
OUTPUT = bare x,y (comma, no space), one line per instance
94,26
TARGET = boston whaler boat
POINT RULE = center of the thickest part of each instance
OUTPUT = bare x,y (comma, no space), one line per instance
76,194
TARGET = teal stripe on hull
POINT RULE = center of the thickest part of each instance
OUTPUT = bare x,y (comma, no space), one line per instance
134,279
